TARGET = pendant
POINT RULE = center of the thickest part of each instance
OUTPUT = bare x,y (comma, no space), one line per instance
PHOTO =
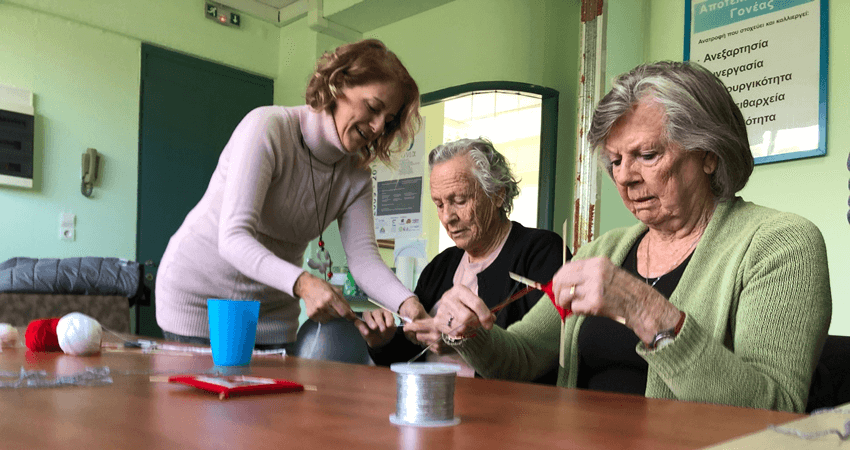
322,261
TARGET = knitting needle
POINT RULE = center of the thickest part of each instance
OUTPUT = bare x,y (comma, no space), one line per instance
526,281
539,286
399,316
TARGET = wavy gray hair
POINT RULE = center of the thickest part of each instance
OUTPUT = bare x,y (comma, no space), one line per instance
700,115
489,168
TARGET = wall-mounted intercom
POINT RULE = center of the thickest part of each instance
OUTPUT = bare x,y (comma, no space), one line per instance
16,137
90,172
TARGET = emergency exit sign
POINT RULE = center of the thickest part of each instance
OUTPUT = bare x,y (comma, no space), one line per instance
222,14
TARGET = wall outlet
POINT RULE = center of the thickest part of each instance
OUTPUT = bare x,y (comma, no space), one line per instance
67,234
67,231
67,219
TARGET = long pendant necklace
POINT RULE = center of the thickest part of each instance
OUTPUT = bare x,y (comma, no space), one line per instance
687,253
323,258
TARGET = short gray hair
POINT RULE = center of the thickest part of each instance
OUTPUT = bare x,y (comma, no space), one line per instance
489,168
699,114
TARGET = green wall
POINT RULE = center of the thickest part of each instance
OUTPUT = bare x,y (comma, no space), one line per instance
533,42
626,48
815,188
300,48
82,62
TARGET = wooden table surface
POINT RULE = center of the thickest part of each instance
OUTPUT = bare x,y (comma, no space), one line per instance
349,409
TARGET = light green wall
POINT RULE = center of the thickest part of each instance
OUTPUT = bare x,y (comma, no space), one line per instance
626,48
83,99
533,42
815,188
300,48
175,24
434,116
82,62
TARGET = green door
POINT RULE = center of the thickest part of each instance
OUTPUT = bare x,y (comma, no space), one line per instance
189,108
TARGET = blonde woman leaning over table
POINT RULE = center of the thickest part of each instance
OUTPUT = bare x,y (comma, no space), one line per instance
724,301
285,174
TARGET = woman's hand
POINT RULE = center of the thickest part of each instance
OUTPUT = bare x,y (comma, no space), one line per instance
324,302
377,327
461,312
413,310
425,332
596,287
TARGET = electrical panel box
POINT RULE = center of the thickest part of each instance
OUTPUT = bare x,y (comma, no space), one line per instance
16,137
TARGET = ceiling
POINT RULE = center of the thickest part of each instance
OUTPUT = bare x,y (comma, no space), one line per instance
357,15
277,4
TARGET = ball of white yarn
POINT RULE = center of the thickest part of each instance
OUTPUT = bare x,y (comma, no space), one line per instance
8,335
79,334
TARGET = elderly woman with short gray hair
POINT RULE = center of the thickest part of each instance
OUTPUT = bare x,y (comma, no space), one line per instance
473,189
708,298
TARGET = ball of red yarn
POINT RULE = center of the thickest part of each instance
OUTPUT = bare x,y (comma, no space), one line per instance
41,335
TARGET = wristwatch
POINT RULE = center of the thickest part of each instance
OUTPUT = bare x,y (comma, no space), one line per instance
664,337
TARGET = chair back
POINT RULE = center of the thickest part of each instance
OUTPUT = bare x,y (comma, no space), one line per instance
336,340
831,379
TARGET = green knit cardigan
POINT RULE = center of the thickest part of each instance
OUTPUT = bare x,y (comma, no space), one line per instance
758,303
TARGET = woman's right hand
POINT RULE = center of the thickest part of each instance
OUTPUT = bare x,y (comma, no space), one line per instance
461,312
324,302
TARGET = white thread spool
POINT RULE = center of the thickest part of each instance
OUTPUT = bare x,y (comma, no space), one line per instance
8,335
79,334
425,394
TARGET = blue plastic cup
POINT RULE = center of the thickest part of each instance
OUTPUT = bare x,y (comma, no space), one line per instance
233,330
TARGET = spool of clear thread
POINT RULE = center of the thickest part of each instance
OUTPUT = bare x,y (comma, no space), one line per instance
425,394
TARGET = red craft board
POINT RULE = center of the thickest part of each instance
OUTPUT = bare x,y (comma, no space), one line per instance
226,386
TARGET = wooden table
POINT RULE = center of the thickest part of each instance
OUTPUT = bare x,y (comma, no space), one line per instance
349,409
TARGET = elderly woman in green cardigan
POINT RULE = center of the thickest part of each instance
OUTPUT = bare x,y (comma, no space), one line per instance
709,298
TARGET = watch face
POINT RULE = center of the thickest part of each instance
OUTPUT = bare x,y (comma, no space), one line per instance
663,342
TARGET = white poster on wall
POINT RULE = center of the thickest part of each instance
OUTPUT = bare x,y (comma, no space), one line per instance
772,56
397,192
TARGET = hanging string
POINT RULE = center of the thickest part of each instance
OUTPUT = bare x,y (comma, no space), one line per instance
312,352
322,253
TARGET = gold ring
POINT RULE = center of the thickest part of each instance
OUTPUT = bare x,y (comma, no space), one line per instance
572,290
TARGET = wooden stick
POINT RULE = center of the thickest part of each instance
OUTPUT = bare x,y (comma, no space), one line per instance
402,318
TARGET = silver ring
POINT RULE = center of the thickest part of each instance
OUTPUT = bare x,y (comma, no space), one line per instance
450,321
572,290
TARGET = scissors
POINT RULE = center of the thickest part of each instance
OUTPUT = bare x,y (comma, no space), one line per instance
547,288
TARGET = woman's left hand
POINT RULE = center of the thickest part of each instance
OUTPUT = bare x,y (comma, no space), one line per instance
597,287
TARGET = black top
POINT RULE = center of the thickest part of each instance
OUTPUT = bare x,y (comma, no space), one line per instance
530,252
606,348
